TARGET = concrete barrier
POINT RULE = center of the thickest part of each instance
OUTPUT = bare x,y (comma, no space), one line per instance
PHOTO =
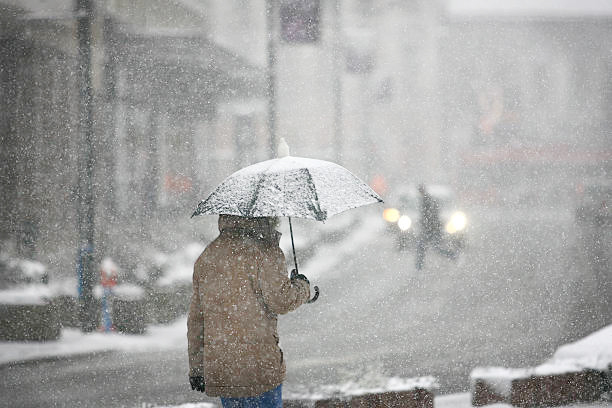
530,388
31,322
127,307
417,398
169,303
129,316
389,392
484,394
68,310
558,389
332,403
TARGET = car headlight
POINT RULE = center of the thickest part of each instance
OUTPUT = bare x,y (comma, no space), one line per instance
391,215
404,222
457,222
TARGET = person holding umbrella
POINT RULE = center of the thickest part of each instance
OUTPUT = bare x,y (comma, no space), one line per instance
240,286
240,283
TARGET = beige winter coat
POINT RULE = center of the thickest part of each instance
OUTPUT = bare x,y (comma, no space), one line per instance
240,285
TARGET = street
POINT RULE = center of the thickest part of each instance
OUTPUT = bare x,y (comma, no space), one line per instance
523,287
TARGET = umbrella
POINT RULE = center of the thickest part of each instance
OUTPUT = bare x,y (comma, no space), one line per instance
289,187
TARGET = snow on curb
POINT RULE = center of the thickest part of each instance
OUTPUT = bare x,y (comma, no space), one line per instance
74,342
461,400
394,391
576,372
32,294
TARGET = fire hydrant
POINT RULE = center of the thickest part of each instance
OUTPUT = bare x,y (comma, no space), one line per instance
108,280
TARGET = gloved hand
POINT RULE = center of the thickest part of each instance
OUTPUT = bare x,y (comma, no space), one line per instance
295,275
197,383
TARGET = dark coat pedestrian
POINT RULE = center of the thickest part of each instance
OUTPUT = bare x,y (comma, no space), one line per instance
430,228
240,286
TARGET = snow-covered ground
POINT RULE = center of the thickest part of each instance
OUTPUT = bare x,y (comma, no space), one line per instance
73,342
591,351
444,401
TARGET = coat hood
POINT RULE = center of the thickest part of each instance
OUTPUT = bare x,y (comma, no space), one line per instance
256,227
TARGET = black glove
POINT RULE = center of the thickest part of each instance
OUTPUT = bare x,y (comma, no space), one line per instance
295,275
197,383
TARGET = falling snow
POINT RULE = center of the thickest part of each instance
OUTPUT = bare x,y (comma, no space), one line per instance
119,119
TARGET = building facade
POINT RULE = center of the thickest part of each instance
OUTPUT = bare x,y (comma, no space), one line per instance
403,91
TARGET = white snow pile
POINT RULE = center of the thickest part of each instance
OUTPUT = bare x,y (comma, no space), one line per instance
64,287
33,294
34,270
22,281
370,384
74,342
392,384
124,291
37,293
592,352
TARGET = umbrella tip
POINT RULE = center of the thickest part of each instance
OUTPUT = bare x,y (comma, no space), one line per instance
282,150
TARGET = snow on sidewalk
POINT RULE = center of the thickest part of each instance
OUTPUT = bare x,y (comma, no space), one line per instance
173,336
75,342
443,401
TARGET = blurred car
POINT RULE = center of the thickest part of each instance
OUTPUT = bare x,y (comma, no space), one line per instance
593,207
403,212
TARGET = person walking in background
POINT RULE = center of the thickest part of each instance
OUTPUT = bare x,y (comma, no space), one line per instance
430,233
240,286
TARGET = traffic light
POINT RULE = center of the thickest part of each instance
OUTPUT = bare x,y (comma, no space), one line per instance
300,21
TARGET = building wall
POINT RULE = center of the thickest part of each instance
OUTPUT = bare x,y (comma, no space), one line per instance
418,91
39,146
142,145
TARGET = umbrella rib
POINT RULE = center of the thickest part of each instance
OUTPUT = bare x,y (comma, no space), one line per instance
321,215
255,196
256,192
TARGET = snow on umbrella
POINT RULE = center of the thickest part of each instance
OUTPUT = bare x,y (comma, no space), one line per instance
289,187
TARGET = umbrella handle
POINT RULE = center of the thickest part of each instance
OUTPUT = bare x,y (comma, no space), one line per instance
316,288
315,297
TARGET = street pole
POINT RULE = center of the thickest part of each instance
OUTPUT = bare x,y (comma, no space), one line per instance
87,277
337,82
271,73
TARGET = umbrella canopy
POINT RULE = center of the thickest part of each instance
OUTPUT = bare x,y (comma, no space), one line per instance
289,186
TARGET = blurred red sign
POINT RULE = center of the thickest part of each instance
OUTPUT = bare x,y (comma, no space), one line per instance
177,183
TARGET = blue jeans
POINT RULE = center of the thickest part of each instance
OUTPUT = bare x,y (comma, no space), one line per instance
269,399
